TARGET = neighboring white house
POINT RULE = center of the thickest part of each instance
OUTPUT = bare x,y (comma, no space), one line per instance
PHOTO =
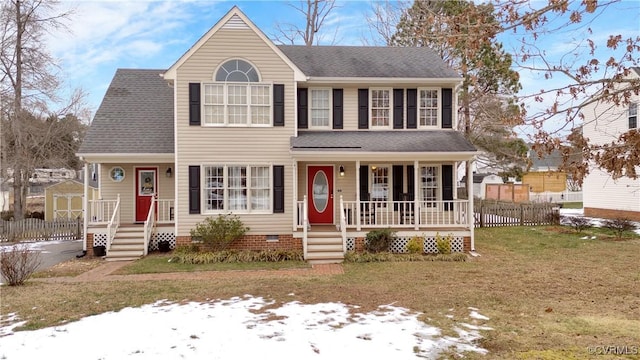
604,196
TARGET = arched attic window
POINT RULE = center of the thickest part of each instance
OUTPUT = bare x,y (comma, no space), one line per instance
237,71
237,97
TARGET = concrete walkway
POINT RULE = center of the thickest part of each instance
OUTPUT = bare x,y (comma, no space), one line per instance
105,273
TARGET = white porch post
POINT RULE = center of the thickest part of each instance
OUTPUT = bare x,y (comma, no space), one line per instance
416,191
470,213
85,207
358,225
294,176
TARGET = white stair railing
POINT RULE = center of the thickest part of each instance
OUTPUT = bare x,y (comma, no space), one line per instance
343,226
114,223
305,226
149,225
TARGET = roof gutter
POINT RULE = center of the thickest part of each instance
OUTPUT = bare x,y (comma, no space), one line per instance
383,80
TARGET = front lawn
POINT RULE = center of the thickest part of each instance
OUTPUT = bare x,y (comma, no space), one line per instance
549,292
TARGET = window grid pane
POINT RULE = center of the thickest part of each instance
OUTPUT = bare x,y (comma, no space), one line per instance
380,108
429,185
214,187
428,107
237,187
260,198
380,184
633,115
213,104
320,107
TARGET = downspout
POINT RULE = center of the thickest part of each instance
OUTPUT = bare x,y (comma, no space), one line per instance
85,209
470,213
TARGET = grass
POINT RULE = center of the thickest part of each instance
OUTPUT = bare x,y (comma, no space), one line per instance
159,263
572,205
549,293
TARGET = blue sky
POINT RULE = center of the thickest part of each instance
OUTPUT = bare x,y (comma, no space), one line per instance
103,36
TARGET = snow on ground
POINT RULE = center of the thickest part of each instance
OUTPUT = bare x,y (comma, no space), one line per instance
594,221
240,328
35,245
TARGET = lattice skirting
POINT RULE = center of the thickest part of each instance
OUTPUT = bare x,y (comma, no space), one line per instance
157,237
351,244
99,239
399,245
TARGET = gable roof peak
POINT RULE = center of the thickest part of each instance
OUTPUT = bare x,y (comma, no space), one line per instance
235,19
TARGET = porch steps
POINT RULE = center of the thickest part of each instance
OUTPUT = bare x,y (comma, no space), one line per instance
324,248
128,244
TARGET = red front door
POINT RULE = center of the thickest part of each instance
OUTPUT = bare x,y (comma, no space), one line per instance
146,187
320,194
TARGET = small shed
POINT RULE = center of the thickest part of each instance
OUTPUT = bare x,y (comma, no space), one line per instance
480,181
63,200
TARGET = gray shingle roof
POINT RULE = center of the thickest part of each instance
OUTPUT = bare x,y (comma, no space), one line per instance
382,141
135,116
368,61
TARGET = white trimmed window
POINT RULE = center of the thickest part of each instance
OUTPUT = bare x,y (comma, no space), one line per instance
633,115
237,188
380,105
237,98
380,183
320,108
428,107
429,185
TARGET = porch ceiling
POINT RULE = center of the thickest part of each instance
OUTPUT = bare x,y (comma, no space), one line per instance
392,145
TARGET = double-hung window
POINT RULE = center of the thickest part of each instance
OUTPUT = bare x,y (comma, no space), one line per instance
380,108
633,115
237,188
380,183
429,185
237,97
428,107
320,109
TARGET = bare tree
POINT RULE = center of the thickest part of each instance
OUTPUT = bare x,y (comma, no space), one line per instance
315,13
29,85
383,19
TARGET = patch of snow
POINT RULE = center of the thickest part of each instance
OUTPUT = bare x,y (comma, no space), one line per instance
223,328
476,315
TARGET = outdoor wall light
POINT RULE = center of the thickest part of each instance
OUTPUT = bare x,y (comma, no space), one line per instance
168,172
341,170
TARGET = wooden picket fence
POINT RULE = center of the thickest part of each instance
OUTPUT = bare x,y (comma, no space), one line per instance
499,213
40,230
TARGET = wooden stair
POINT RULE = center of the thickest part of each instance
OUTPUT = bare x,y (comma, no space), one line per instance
128,244
324,247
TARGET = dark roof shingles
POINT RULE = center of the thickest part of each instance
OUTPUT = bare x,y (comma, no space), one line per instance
368,61
382,141
135,116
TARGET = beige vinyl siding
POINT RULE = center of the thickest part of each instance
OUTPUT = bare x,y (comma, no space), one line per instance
201,145
126,188
603,123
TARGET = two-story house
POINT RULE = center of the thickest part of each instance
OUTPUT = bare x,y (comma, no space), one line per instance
312,147
602,195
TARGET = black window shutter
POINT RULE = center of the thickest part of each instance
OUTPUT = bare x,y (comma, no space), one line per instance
398,107
397,184
410,182
194,103
363,108
278,105
194,189
303,115
337,108
278,188
447,185
447,108
364,183
412,108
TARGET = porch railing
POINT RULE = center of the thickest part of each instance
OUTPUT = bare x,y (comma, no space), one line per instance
114,223
165,211
358,214
101,211
305,226
343,226
149,225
